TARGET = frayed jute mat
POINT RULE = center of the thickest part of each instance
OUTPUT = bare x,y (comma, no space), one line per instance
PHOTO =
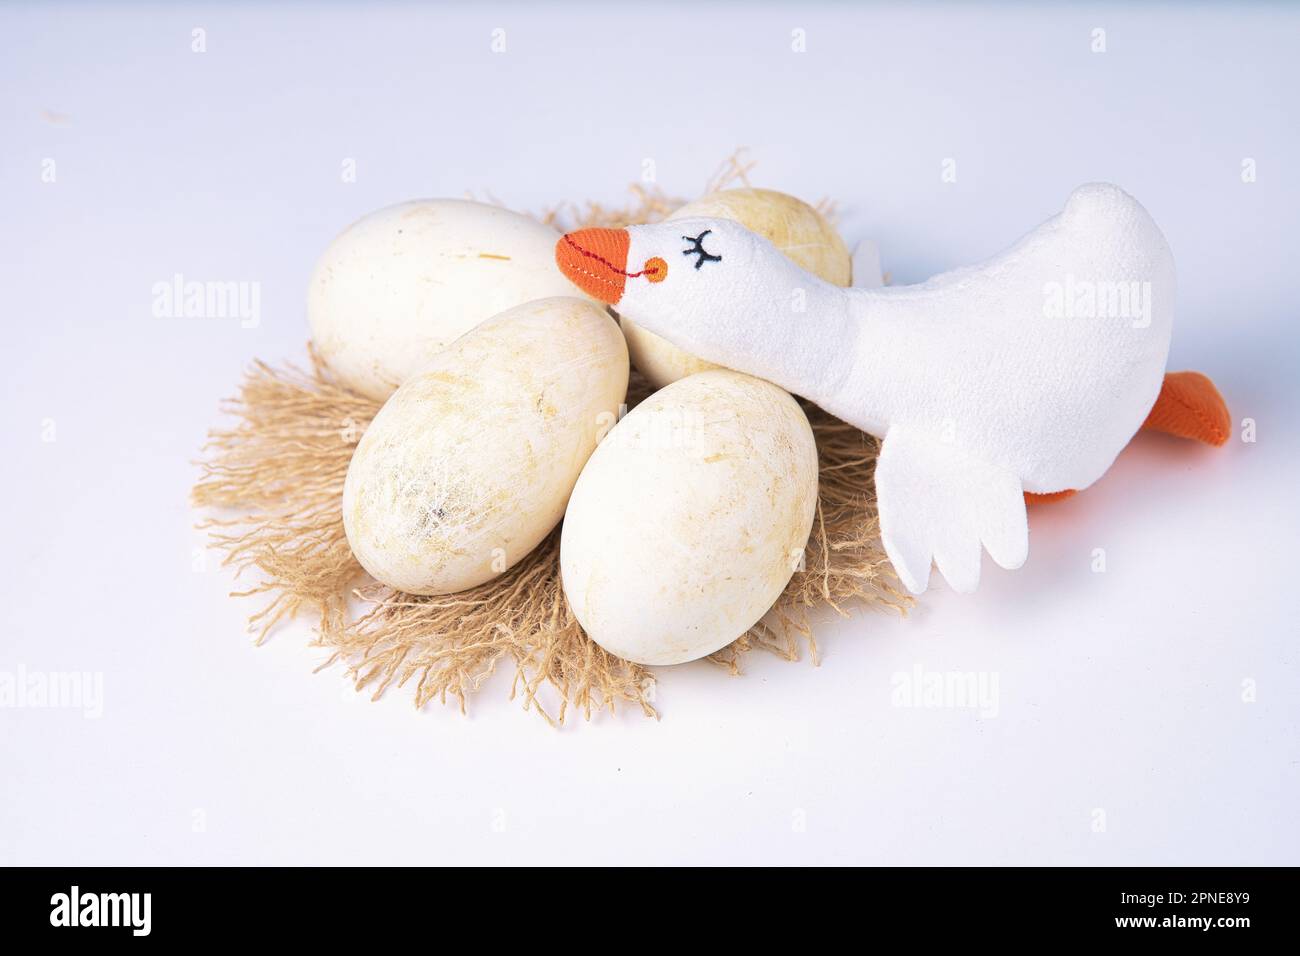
274,480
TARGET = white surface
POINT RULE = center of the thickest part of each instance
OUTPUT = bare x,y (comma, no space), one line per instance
1119,691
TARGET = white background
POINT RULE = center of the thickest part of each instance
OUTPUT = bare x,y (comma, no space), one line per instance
1119,692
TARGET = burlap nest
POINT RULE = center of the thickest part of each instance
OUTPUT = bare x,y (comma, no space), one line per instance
280,469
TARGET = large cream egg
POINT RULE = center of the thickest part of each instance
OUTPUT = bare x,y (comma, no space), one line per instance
401,283
469,464
690,518
790,224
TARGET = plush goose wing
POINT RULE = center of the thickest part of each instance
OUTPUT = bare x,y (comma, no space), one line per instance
939,503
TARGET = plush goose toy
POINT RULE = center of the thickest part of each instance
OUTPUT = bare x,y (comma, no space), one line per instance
1025,374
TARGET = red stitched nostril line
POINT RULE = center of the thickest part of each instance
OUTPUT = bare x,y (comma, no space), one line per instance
602,260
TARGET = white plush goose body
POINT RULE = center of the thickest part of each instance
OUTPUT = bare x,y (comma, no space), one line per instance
1027,373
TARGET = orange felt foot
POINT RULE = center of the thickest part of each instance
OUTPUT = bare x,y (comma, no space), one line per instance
1190,406
1033,499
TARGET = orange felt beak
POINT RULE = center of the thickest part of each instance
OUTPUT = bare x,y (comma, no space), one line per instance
595,260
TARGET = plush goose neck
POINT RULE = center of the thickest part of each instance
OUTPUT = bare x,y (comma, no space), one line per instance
852,375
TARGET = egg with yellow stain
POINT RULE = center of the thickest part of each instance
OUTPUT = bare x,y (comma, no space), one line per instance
690,518
470,463
405,281
790,224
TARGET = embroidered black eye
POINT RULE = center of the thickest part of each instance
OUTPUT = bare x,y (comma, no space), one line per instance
697,249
